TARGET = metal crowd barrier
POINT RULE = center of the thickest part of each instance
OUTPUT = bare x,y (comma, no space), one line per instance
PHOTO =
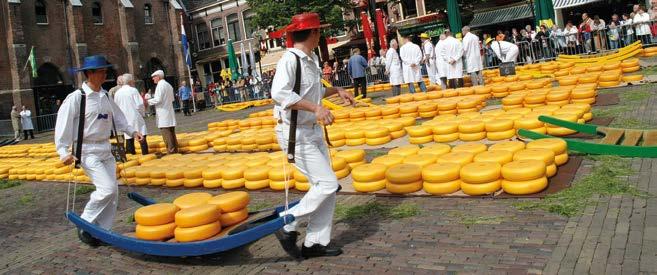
42,123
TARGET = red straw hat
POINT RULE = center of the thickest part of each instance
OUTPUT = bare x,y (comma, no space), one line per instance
305,21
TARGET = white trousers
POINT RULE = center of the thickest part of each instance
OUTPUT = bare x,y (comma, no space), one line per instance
431,71
312,158
100,167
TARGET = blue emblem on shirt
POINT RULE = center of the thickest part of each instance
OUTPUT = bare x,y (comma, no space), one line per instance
103,116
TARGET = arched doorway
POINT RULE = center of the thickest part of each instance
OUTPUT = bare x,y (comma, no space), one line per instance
152,65
49,89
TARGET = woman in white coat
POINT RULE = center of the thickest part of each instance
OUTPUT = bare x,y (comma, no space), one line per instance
26,121
394,68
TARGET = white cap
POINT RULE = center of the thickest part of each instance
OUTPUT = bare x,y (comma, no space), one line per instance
159,73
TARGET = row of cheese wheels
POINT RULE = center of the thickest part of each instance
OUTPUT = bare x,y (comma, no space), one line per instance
191,217
609,68
497,124
263,120
249,140
604,80
558,96
256,171
472,167
370,132
231,107
464,91
37,150
500,90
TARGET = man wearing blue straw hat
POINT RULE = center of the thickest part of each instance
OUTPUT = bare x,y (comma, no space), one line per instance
92,146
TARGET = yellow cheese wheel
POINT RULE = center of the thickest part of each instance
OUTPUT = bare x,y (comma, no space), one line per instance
378,141
444,138
435,149
550,170
282,172
581,94
511,146
561,159
280,185
156,214
556,145
445,128
441,172
193,182
470,127
369,172
557,95
499,156
230,201
342,173
499,125
257,173
198,233
145,172
545,155
197,215
255,185
404,188
522,170
350,156
630,69
420,140
354,134
142,181
501,135
302,186
587,116
192,173
480,189
355,164
377,132
389,160
338,143
471,147
215,183
524,187
155,232
480,172
461,158
472,136
355,142
233,184
397,134
175,182
442,188
420,159
370,186
528,123
299,177
405,150
191,200
157,182
404,173
211,174
337,163
419,131
632,78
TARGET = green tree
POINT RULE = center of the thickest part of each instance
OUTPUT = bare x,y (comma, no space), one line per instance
277,14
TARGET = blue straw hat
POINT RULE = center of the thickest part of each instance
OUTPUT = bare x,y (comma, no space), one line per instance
94,62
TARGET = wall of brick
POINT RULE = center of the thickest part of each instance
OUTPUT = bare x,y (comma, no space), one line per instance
155,39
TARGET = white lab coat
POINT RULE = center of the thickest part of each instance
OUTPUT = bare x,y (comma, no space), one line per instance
441,65
394,67
472,53
163,102
509,50
132,106
452,54
410,54
430,60
26,120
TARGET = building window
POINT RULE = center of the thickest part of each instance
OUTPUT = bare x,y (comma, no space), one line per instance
234,27
148,14
248,29
409,9
218,37
96,13
203,36
40,12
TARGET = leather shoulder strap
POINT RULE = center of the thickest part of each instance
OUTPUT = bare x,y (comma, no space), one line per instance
81,118
292,137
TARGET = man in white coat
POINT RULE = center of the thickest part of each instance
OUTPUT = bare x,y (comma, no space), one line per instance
26,122
505,51
411,56
132,106
451,54
429,59
96,156
441,65
472,53
166,117
394,68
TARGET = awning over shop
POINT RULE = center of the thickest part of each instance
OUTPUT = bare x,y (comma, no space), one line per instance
562,4
499,15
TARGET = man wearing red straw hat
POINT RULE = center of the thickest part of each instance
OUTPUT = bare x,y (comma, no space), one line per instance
297,93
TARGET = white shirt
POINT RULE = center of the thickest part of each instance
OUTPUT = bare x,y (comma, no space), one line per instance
472,53
441,65
393,66
26,120
283,83
627,26
100,110
132,106
639,20
163,102
410,54
428,51
452,53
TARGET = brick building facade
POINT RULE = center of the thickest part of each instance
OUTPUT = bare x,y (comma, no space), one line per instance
137,36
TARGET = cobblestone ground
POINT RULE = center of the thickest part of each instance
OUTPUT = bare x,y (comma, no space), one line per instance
616,234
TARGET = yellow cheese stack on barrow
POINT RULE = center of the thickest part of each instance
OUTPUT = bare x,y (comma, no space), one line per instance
156,222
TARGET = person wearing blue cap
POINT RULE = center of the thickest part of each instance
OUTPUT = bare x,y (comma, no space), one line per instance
101,115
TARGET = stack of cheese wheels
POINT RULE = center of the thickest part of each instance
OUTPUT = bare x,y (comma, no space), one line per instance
233,175
155,222
301,182
340,167
337,138
143,176
555,130
421,159
175,177
630,65
583,94
281,175
419,134
233,206
369,177
158,176
212,177
556,145
389,160
610,78
435,149
355,137
427,109
200,222
584,109
404,178
480,178
193,177
472,130
531,123
542,154
558,97
445,132
256,177
353,158
522,177
408,110
632,78
404,151
441,178
500,129
377,136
